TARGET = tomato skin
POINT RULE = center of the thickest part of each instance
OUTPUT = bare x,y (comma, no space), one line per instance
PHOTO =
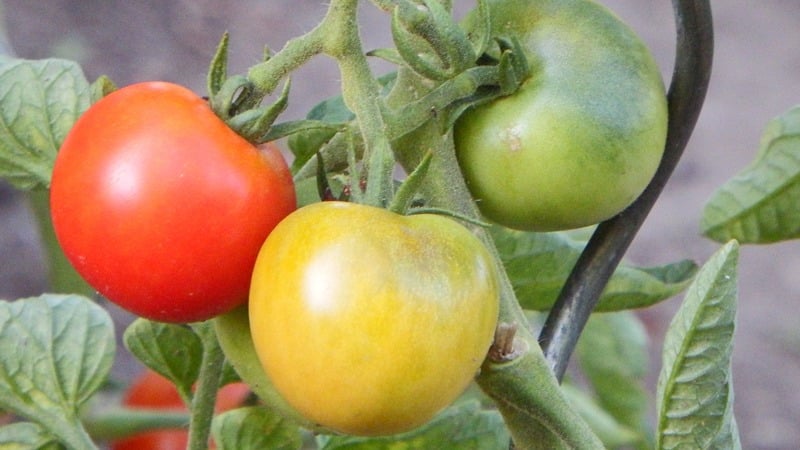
368,322
161,207
152,391
582,137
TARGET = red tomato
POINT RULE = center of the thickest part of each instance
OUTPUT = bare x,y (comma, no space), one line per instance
152,391
161,207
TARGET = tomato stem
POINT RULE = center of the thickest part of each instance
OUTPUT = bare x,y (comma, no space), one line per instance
526,381
416,112
205,397
118,423
62,276
266,75
361,94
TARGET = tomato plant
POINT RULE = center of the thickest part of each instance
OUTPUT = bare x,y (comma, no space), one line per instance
368,319
152,391
161,207
389,315
582,137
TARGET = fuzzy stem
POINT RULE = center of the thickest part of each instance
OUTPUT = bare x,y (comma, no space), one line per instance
266,75
205,397
360,92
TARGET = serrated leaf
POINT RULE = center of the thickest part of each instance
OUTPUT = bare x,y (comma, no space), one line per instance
759,205
463,426
174,351
26,436
39,103
539,264
254,428
57,351
694,386
613,356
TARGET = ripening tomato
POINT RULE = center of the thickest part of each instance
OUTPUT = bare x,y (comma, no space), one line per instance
582,137
161,207
152,391
368,322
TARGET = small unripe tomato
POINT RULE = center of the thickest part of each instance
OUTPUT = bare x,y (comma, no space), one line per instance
368,322
582,137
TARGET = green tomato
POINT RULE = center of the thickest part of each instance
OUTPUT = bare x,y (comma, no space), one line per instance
368,322
582,137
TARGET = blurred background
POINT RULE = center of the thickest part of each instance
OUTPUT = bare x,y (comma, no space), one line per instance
756,77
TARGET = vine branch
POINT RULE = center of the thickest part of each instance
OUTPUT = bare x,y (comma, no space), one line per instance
360,92
202,408
694,54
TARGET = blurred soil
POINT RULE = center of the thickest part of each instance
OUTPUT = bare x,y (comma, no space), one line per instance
756,77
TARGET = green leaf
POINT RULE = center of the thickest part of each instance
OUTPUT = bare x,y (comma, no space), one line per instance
254,428
39,103
612,354
638,287
461,427
26,436
539,264
101,87
229,374
759,205
306,144
174,351
604,425
694,392
728,436
57,351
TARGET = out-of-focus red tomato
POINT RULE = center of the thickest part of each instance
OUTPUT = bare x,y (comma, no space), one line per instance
152,391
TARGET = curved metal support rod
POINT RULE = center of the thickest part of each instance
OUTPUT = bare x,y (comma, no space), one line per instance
603,252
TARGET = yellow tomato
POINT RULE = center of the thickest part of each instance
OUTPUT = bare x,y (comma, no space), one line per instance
369,322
